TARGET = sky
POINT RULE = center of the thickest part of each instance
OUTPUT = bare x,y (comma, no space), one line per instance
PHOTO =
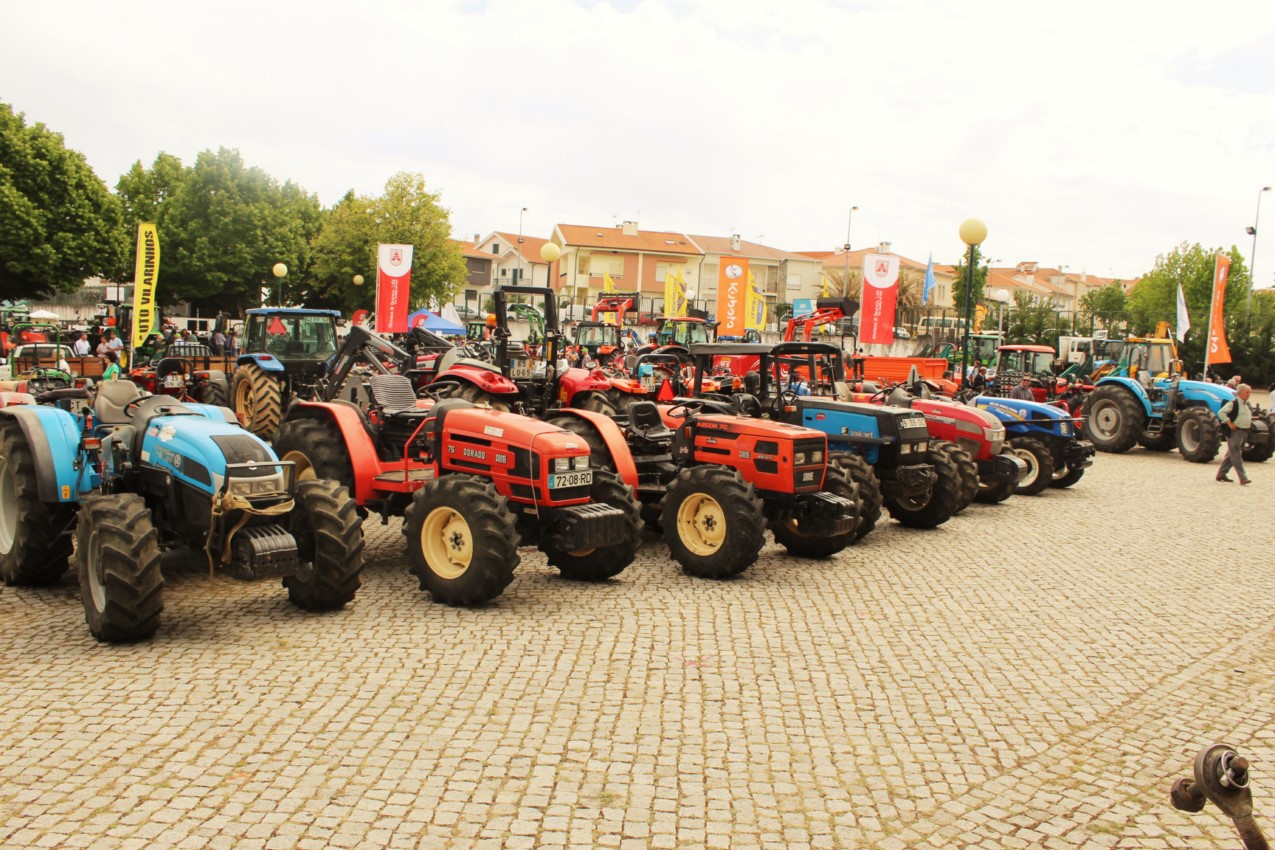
1088,135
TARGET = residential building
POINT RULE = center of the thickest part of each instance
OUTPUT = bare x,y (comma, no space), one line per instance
637,261
517,258
836,266
781,276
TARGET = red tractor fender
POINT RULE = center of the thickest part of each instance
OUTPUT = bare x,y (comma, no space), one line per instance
613,439
358,443
486,380
575,380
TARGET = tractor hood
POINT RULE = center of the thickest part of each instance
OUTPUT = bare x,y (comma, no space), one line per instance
195,450
1008,409
1216,394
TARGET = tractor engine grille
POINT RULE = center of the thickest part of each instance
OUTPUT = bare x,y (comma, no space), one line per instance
809,459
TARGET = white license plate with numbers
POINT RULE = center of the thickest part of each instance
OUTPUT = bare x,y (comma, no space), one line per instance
570,479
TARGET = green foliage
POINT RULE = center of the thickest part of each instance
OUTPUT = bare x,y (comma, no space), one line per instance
58,221
1106,304
960,283
407,213
144,192
1034,324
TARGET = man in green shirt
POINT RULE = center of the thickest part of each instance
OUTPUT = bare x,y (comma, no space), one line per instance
1238,418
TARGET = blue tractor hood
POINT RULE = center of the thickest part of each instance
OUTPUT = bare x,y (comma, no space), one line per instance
1012,409
1215,395
195,449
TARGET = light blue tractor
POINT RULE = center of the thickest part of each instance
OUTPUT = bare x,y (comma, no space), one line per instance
133,474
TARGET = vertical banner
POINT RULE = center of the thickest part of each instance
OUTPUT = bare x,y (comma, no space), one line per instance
145,276
756,318
1184,317
880,294
1218,352
732,296
674,296
393,286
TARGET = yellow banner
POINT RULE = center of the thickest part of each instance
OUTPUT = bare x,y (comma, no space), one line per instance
674,295
145,277
755,313
608,285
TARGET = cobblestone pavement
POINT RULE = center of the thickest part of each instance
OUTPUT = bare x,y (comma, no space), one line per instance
1033,674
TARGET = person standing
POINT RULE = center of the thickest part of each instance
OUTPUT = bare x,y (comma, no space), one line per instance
218,345
112,370
1236,416
80,348
1023,392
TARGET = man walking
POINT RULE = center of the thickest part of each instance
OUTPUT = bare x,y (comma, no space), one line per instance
1236,416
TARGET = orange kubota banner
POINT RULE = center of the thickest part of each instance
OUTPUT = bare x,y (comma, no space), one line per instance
1218,350
732,296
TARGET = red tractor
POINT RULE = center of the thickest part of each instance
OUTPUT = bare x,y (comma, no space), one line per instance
471,482
185,371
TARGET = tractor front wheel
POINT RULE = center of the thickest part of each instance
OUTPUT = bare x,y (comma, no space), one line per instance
787,531
117,553
1260,453
462,540
1199,435
938,507
994,494
713,522
469,392
870,499
1113,419
258,400
329,537
1040,464
968,469
34,543
603,562
596,402
1065,476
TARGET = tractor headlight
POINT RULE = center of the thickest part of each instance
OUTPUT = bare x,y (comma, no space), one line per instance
1064,428
816,456
922,447
248,487
582,462
905,448
561,464
799,458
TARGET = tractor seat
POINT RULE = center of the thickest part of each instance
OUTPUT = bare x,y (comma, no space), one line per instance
112,397
394,394
170,365
644,419
748,405
899,397
869,387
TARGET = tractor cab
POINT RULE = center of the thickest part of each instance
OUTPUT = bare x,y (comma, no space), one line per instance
600,339
682,330
302,340
1034,361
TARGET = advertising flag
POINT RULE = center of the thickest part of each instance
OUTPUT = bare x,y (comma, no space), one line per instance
824,278
145,276
1184,319
393,287
1218,352
732,296
608,285
880,294
929,281
756,318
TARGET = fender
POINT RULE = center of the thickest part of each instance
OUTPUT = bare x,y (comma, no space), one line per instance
358,442
265,362
1133,387
54,437
614,440
1212,396
489,382
574,381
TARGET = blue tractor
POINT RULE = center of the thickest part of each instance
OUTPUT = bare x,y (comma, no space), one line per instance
136,473
286,352
1046,437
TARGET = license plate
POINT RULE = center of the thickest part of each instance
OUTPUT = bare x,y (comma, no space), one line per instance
523,368
174,381
570,479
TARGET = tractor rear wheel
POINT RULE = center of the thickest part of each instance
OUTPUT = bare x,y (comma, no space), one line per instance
1040,464
714,522
968,468
462,540
788,534
1113,419
258,400
596,402
603,562
329,537
1199,435
870,499
1260,453
317,449
117,553
937,508
34,543
592,439
469,392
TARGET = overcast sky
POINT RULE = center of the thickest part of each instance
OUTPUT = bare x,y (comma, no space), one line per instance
1090,134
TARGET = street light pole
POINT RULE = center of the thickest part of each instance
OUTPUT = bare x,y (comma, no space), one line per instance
845,286
280,270
1252,257
518,277
973,232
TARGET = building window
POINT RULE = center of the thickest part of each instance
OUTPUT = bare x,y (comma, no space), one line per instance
612,264
495,247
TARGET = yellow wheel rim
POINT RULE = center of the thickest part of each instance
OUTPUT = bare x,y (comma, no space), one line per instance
244,402
302,469
447,543
701,524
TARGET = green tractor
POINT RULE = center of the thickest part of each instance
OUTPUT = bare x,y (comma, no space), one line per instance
287,351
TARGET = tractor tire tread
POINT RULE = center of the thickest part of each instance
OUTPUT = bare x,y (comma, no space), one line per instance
326,522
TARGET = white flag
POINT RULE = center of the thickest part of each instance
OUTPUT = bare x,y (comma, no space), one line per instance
1184,321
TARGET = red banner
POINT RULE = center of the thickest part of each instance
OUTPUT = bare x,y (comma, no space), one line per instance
393,286
1218,350
732,296
880,294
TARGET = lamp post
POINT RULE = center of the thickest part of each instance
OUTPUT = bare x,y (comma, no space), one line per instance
280,271
973,232
518,277
845,287
1001,296
1252,257
550,252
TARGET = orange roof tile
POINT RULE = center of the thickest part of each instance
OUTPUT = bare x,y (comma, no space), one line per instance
613,238
530,245
752,250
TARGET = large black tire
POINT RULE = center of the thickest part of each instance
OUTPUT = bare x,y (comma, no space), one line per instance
596,402
968,469
330,542
462,540
865,479
258,400
1199,434
601,456
603,562
1262,453
216,393
1065,476
469,392
788,534
713,522
117,553
317,449
1040,464
994,494
1165,441
35,542
1113,419
940,506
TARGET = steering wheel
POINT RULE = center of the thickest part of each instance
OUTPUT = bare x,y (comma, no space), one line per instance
438,390
130,408
688,405
780,403
880,395
43,380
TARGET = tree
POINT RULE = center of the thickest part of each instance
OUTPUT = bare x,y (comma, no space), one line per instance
960,283
1032,324
223,229
406,214
1104,304
58,221
144,193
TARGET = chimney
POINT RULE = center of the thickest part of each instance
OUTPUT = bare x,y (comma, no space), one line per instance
477,237
734,241
1028,267
629,228
883,248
